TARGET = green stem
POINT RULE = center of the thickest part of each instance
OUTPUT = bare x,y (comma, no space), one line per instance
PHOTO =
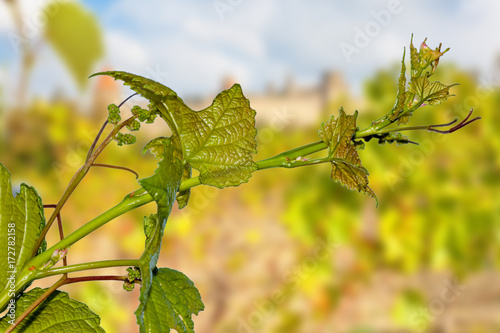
27,275
281,160
129,203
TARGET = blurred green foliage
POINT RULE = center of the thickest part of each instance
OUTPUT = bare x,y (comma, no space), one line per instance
439,209
76,36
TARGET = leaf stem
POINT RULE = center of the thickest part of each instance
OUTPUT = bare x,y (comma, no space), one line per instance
94,143
91,150
129,203
116,167
281,159
61,231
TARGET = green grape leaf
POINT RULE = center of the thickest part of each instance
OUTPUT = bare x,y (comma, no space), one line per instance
57,314
420,90
424,58
405,118
217,141
21,223
414,59
173,300
432,93
155,92
399,107
346,164
76,36
163,187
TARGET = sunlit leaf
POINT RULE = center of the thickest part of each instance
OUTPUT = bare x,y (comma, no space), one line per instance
21,222
431,93
401,96
76,36
420,90
217,141
57,314
346,164
414,59
173,300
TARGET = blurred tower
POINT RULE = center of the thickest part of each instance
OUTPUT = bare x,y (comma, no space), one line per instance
228,81
290,86
333,87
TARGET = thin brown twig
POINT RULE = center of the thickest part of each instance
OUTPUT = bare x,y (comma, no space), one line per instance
458,126
61,231
92,147
35,304
116,167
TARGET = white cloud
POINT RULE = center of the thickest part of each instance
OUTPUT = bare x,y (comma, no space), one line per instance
260,40
125,51
5,18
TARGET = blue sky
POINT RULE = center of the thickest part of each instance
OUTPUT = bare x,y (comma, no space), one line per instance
192,45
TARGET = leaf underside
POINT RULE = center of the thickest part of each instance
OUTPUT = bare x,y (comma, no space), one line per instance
57,314
173,299
25,211
163,187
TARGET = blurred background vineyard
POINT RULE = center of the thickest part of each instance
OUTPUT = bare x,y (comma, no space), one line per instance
290,251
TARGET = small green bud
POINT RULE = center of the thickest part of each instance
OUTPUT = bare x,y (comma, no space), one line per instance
133,274
153,111
134,126
113,114
128,286
125,139
151,118
142,114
